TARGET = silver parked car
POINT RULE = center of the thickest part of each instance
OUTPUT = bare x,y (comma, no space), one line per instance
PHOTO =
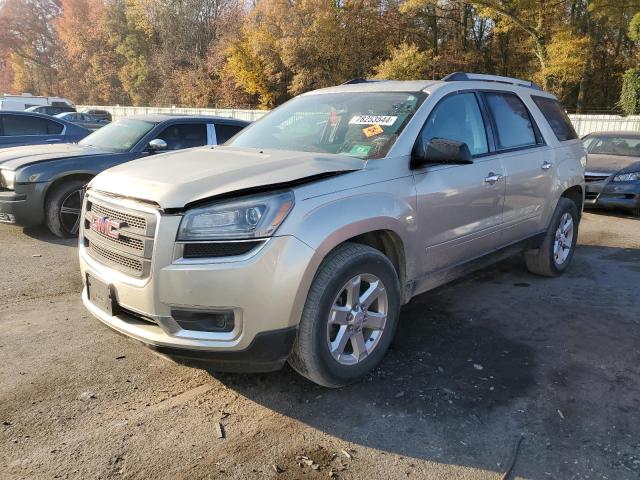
301,237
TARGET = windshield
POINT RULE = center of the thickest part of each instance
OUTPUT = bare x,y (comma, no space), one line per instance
118,136
363,125
626,146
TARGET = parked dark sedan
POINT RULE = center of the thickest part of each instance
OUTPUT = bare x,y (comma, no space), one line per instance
612,175
45,184
29,128
85,120
102,114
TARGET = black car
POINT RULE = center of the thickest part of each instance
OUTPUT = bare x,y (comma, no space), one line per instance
45,184
29,128
101,114
51,110
612,174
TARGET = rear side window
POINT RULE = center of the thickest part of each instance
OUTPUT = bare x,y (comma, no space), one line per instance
186,135
225,132
457,117
14,125
557,118
513,123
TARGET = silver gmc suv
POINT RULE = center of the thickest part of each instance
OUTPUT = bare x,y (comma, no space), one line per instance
301,237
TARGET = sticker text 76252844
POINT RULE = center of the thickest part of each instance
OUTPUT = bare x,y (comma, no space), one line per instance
384,120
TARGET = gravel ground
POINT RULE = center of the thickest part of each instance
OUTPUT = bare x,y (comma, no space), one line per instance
477,365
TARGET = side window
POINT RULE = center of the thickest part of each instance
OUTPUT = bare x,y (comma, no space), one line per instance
54,128
557,118
14,125
458,117
513,123
186,135
225,132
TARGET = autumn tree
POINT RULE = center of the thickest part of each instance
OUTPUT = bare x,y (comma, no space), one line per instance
406,62
89,66
28,40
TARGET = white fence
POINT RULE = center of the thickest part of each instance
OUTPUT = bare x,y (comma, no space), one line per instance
601,123
118,111
583,123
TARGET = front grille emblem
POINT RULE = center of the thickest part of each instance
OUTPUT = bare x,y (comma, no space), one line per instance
105,226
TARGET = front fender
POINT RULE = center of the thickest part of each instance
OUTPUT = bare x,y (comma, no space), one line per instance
49,171
326,221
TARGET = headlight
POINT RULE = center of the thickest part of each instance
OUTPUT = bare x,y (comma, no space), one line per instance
8,179
627,177
250,217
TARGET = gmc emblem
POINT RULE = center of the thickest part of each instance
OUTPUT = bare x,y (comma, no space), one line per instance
104,226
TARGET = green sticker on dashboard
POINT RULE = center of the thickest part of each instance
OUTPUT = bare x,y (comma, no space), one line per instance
360,150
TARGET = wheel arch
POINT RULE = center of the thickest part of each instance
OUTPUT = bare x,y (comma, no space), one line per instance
380,236
61,179
576,195
391,246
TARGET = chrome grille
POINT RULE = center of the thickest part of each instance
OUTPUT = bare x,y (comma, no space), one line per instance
127,245
131,220
595,178
130,242
128,264
591,195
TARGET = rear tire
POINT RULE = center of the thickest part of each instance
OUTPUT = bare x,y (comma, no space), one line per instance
63,208
343,335
635,212
556,251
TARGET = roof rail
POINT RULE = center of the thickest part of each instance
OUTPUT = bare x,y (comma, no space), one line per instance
461,76
353,81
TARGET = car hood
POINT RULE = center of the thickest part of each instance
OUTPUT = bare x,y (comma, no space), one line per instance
610,163
174,180
15,157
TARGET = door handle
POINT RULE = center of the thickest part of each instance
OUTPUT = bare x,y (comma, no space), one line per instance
546,165
492,178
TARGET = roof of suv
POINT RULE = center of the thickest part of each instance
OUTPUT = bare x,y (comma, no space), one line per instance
468,80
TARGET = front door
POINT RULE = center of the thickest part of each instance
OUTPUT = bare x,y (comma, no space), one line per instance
459,206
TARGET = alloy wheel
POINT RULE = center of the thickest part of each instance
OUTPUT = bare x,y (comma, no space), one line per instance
563,242
357,319
71,210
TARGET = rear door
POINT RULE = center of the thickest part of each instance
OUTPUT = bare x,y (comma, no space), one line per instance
526,159
459,206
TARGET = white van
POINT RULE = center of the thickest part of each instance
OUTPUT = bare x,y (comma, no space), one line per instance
26,100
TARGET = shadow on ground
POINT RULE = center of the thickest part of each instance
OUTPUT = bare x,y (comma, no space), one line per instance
43,234
493,356
446,371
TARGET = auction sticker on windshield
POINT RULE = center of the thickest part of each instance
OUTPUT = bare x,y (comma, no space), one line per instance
384,120
373,130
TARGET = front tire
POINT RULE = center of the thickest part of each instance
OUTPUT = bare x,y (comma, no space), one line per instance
349,318
63,208
556,251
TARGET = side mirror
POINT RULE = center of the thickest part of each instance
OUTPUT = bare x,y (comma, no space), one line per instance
441,150
157,145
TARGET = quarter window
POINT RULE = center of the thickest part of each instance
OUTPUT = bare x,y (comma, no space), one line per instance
458,117
514,125
225,132
557,118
